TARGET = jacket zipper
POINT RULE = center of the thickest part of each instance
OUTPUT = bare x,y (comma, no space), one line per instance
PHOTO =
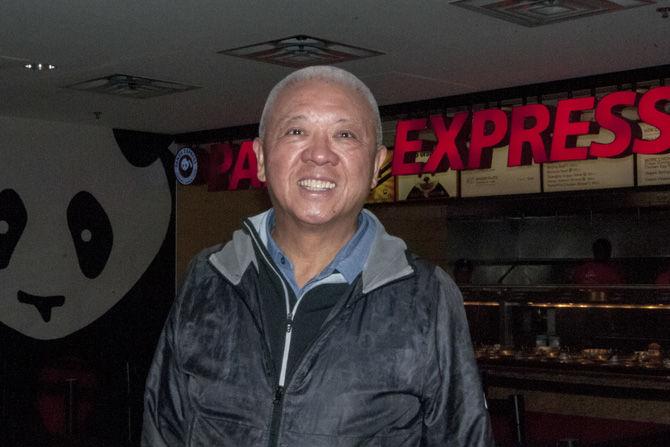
278,401
287,347
280,389
277,406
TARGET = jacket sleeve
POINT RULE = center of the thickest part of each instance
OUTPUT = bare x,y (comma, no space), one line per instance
165,397
455,413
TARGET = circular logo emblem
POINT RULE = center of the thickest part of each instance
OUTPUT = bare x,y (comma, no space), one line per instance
185,166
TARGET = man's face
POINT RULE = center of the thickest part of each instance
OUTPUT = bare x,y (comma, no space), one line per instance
319,155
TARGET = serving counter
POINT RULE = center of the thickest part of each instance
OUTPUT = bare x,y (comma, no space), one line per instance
604,340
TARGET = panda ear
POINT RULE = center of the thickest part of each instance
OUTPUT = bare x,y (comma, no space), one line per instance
141,148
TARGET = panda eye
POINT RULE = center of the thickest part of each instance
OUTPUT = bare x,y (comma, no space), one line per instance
91,233
13,218
86,235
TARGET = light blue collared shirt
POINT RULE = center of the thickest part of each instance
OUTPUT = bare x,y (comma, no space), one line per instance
345,267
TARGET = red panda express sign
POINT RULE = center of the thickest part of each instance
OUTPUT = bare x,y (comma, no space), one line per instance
534,132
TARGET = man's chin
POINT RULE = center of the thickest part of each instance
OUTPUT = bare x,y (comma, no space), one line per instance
323,218
316,220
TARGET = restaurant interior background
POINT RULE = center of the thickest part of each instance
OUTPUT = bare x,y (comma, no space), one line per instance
582,358
582,354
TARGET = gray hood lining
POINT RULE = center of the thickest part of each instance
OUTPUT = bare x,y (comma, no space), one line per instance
387,261
234,258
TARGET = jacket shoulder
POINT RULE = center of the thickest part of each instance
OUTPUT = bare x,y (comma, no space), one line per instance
426,268
430,276
199,264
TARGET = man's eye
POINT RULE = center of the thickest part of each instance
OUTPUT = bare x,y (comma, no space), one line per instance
295,131
345,134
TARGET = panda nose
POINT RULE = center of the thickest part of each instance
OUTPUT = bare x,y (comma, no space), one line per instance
43,304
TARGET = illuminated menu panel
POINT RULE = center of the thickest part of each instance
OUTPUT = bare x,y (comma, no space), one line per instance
652,169
500,179
427,186
588,174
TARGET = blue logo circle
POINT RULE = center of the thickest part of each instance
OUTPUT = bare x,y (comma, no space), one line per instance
185,166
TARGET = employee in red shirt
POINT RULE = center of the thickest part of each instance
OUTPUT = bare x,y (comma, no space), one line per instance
599,270
663,277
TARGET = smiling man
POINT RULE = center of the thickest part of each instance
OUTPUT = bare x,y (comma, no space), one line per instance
313,326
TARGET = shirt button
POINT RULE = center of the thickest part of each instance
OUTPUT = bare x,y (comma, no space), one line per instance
283,260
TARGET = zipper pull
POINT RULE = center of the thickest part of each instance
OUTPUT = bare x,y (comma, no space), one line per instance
279,393
289,324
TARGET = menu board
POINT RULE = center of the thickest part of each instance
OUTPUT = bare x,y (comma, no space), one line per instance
589,174
500,179
652,169
426,186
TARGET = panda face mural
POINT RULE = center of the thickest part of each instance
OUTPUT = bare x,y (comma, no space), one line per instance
79,224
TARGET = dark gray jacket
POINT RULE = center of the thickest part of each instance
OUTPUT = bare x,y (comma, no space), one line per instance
391,366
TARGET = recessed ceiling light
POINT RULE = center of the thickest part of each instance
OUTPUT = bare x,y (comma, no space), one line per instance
39,66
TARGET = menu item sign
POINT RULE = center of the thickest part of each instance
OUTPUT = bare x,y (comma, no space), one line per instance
652,169
427,185
588,174
500,179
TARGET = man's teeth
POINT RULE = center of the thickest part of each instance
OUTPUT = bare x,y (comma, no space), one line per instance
316,185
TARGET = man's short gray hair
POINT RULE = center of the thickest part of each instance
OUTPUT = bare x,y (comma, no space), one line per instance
322,73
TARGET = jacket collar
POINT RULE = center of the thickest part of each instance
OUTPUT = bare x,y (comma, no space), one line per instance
235,257
387,261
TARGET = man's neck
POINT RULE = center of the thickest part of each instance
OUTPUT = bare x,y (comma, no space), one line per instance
311,248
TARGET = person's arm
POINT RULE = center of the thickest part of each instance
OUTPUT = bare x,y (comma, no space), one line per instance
454,407
165,396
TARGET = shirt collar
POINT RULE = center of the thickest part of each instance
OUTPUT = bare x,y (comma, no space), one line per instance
348,263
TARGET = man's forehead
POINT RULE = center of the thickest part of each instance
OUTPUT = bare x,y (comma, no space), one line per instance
321,85
293,105
290,118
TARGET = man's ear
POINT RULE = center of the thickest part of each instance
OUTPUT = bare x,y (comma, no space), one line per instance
260,160
380,156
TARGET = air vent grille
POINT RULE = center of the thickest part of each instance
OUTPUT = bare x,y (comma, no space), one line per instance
128,86
537,13
301,51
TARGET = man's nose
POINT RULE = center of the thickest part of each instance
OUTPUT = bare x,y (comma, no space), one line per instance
321,151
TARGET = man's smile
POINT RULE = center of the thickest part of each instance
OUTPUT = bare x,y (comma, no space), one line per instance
316,185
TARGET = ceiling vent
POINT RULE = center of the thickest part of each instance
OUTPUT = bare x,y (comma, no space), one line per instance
131,86
537,13
301,51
